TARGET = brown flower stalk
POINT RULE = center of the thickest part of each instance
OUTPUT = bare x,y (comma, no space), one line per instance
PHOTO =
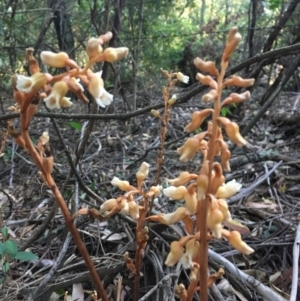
28,91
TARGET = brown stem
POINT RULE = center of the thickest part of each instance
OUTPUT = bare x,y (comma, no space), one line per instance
140,248
202,206
62,204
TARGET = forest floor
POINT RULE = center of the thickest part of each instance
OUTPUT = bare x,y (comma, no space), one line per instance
117,147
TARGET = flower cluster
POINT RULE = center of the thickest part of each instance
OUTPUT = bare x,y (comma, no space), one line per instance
55,96
205,194
127,203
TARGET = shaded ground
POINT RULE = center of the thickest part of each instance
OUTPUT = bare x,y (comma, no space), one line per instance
117,148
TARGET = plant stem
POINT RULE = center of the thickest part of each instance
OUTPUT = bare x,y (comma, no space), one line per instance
62,204
202,206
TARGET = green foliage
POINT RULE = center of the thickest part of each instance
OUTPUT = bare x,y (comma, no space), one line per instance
75,125
225,111
9,251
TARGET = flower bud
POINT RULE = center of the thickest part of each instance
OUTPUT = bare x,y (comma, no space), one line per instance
114,54
233,41
93,48
142,174
33,64
197,119
183,178
206,80
155,113
236,98
194,272
169,218
182,78
239,82
172,100
203,180
105,37
210,96
207,67
180,292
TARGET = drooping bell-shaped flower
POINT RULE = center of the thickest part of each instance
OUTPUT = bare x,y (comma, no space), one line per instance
30,84
239,82
211,96
235,239
207,80
229,189
169,218
96,88
59,90
217,178
191,250
134,210
175,253
57,60
114,54
182,78
190,198
189,149
233,131
183,178
206,66
175,193
197,119
123,185
108,205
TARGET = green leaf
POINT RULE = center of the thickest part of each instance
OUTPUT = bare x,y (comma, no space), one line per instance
5,267
2,249
4,232
225,111
25,256
75,125
11,248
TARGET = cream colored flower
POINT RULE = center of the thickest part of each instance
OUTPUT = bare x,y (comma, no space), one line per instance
96,88
57,60
58,92
175,253
191,250
175,193
65,102
182,78
123,185
228,190
34,83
